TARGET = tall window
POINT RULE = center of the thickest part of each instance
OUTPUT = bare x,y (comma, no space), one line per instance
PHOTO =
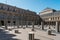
53,18
14,10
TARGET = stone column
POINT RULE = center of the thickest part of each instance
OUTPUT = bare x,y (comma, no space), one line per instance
32,26
26,23
57,26
17,23
14,23
5,23
11,20
22,20
31,36
42,25
11,23
21,24
0,23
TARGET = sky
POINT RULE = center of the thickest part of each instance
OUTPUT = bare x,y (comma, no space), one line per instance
34,5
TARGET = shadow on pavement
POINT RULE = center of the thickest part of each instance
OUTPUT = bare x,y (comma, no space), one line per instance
36,39
5,36
53,34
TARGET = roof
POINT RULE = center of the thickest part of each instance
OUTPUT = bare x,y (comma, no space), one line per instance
57,13
17,7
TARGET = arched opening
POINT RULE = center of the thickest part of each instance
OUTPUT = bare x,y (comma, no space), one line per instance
2,22
14,22
8,21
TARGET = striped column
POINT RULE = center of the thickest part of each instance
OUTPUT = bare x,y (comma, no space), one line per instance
57,27
42,25
31,36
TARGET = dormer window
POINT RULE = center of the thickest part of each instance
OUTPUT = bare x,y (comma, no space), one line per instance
14,10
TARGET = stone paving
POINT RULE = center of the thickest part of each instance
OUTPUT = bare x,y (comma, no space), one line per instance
24,34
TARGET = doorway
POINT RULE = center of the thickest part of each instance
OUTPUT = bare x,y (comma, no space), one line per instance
2,22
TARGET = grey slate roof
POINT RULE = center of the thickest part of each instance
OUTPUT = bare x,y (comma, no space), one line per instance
57,13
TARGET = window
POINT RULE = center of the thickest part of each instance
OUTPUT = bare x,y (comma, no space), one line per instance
2,22
14,22
8,21
53,18
58,18
14,10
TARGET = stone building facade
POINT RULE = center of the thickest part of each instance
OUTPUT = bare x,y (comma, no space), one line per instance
51,17
11,15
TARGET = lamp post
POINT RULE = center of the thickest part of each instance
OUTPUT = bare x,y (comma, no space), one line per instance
49,22
32,26
49,29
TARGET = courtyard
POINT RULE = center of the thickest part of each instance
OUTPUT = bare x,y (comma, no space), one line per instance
24,33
